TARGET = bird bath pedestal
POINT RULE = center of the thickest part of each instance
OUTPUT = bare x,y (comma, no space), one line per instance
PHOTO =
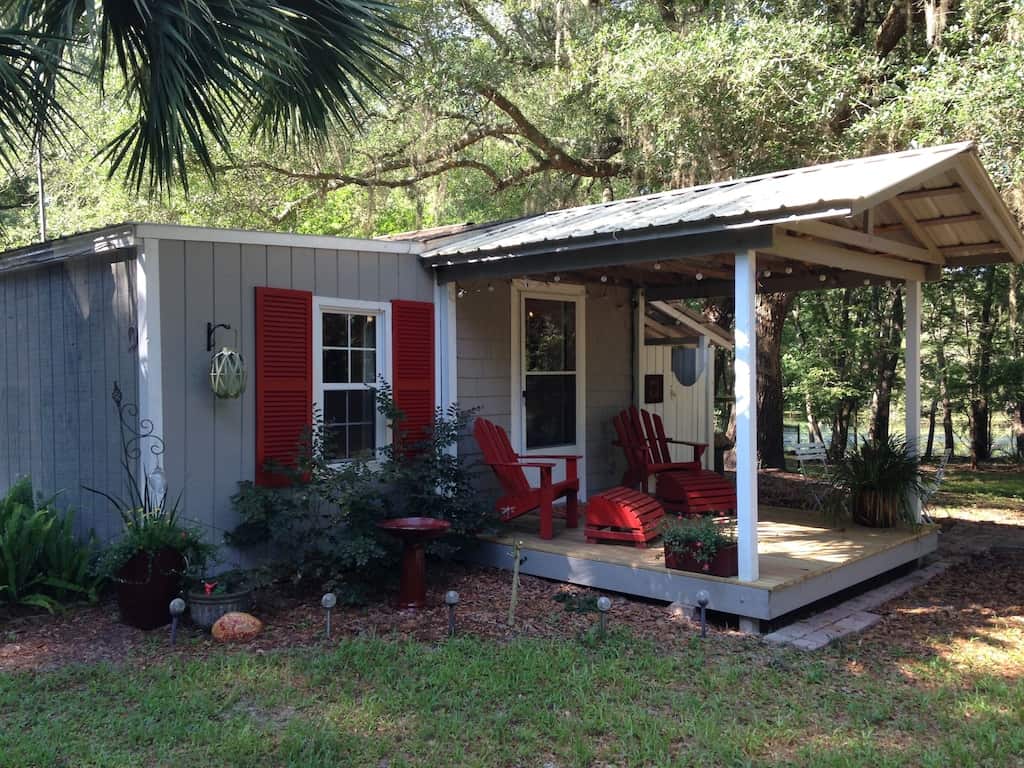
414,532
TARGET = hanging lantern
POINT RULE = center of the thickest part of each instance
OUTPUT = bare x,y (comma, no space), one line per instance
227,373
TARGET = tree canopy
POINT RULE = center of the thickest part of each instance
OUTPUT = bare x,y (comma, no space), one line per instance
506,107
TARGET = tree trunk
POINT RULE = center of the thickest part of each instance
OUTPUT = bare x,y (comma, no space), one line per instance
886,361
1017,345
841,429
1018,431
771,310
892,28
947,405
981,438
813,428
930,444
936,15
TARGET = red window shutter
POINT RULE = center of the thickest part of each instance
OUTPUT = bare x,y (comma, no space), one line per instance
412,331
284,376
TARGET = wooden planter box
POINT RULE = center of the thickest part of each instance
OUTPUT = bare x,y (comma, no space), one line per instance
875,510
724,563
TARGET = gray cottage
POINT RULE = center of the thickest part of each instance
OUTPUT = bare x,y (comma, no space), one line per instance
468,314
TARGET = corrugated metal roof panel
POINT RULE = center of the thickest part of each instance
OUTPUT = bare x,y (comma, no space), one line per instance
822,187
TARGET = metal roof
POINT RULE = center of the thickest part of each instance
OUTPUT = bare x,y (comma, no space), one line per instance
835,189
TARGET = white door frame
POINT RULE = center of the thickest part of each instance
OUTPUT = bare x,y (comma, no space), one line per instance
521,290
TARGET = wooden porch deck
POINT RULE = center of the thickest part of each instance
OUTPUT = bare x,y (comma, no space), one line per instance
802,560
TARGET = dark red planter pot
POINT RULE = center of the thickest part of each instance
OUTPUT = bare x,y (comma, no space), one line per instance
146,585
724,563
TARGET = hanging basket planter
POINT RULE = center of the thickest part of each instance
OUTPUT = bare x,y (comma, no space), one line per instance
227,373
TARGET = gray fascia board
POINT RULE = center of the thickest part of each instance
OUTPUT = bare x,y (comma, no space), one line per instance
610,252
117,241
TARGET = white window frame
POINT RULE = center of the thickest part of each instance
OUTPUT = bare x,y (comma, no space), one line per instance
380,309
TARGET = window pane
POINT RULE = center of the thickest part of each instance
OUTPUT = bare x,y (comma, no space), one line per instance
550,335
550,410
335,407
335,443
364,367
364,331
360,440
360,406
335,330
336,366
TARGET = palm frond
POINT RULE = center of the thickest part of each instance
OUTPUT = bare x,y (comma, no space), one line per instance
193,71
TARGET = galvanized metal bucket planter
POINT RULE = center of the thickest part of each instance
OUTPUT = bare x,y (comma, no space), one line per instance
206,609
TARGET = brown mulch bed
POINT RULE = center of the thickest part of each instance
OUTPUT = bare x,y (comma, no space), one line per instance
979,597
973,611
89,634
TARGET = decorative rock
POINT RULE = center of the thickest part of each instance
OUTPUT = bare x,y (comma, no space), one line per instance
236,627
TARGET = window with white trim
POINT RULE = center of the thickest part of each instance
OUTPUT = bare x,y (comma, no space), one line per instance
350,358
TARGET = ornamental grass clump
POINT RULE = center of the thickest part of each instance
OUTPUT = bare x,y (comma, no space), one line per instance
879,480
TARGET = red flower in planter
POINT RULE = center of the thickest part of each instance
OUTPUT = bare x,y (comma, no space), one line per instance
209,586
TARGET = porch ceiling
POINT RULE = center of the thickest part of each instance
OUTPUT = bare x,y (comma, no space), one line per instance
888,217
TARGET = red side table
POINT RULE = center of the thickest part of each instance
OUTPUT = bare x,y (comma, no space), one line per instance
414,532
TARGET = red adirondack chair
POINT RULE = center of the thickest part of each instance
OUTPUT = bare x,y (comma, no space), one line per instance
520,497
642,437
683,486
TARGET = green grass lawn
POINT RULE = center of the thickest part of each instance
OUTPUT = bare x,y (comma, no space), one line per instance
939,683
995,484
721,702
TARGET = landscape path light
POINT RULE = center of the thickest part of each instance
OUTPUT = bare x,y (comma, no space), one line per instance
328,601
451,599
604,605
177,608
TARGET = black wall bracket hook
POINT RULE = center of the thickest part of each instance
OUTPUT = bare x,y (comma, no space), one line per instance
211,329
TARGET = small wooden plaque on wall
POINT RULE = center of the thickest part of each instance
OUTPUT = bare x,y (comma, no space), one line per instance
654,388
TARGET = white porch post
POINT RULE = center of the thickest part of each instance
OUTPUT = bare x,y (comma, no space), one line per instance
913,372
446,373
745,390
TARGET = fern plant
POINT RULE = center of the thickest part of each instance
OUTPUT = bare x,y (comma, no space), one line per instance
42,562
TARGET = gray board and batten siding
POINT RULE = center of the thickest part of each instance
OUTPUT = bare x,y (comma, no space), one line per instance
484,351
211,442
69,332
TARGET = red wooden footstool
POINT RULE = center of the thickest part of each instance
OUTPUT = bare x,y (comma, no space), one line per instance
623,514
695,492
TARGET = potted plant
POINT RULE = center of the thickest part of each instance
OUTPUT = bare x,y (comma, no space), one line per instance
878,480
706,546
148,562
212,597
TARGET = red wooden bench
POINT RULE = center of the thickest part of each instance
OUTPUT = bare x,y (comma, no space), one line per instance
623,514
520,497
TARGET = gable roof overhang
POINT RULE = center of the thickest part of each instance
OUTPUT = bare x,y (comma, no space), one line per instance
898,216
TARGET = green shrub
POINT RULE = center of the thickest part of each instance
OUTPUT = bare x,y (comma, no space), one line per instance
42,562
321,526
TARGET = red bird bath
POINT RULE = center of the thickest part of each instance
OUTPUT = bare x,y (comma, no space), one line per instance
414,532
